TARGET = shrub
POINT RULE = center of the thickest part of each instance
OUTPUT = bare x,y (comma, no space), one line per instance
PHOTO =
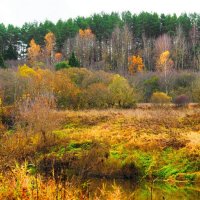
181,83
66,92
97,95
150,85
7,117
77,75
10,91
160,98
62,65
121,92
37,116
184,80
97,77
181,100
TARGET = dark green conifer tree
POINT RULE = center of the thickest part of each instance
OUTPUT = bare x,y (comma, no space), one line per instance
73,61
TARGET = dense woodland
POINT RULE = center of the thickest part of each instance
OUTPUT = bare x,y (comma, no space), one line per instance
158,55
105,41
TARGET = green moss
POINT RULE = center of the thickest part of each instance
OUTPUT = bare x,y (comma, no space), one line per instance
114,154
78,146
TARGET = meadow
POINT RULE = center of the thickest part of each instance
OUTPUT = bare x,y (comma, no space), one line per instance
151,145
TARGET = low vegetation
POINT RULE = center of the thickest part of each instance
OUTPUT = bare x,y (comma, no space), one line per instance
155,144
56,135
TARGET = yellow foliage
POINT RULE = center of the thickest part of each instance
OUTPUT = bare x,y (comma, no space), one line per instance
160,97
164,57
164,60
135,64
26,71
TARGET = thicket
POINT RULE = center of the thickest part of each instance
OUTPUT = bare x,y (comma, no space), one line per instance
80,88
182,83
72,88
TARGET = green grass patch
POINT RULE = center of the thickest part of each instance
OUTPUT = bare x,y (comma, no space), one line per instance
78,146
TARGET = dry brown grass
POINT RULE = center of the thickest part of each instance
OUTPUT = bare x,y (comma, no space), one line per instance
141,129
121,131
20,184
146,129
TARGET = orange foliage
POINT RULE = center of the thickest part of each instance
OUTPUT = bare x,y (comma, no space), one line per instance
66,91
58,57
87,33
33,51
81,32
50,42
135,64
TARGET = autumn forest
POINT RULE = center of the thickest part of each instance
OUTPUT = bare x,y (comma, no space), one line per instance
101,107
105,41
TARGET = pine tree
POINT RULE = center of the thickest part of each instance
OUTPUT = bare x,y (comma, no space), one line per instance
11,53
73,61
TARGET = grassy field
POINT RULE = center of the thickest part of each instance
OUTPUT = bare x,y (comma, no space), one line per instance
155,144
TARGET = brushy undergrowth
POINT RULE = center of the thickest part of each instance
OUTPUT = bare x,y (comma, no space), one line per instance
141,145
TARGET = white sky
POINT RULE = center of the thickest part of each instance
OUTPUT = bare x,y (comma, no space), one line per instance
18,12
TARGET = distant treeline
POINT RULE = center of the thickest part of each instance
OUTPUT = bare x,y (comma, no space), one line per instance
114,38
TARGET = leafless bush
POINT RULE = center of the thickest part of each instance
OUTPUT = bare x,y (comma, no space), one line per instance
38,115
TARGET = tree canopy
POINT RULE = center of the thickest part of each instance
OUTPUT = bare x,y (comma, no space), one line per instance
136,37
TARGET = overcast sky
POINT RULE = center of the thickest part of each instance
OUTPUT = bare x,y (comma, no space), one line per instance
18,12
